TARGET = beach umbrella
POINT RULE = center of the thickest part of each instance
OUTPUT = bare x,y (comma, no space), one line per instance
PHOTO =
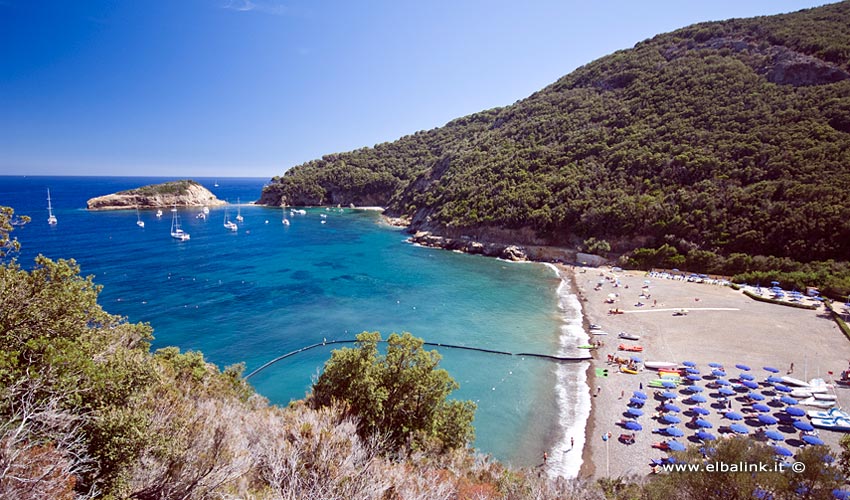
718,373
840,494
803,426
637,401
743,367
699,410
633,426
813,440
783,451
634,412
746,376
668,384
767,419
692,371
774,380
675,446
698,398
689,364
722,382
671,407
755,396
703,424
671,419
715,365
788,400
668,395
692,377
771,369
733,415
693,388
739,429
774,282
749,384
639,394
705,436
794,411
726,391
774,435
636,359
761,407
674,431
782,388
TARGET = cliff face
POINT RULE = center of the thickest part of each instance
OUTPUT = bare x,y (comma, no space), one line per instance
186,193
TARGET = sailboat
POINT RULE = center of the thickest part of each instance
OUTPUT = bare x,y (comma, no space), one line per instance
51,219
215,184
159,213
228,224
284,221
176,231
139,221
239,217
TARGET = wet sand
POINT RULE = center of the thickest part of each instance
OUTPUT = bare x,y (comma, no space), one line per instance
722,325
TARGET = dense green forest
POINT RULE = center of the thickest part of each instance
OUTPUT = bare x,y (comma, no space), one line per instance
720,138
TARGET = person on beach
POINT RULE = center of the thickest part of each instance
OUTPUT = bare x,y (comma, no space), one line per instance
545,457
572,442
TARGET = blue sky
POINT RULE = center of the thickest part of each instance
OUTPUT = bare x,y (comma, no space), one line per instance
251,88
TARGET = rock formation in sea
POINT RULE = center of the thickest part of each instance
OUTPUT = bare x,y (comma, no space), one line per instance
183,193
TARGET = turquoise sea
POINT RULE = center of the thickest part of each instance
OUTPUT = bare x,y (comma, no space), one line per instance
269,289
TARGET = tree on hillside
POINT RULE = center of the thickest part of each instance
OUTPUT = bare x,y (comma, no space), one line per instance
400,396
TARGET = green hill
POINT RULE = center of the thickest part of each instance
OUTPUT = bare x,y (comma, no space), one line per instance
719,138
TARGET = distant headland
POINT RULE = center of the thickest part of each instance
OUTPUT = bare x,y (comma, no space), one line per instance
183,193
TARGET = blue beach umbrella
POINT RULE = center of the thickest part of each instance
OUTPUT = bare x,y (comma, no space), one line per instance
722,382
788,400
636,359
774,380
746,376
718,373
803,426
767,419
705,436
703,424
639,394
634,412
633,426
715,365
693,388
671,407
692,371
733,415
699,410
671,419
692,377
726,391
637,401
668,395
739,429
814,440
774,435
771,369
794,411
689,364
698,398
840,494
755,396
743,367
668,384
783,451
761,407
674,431
675,446
782,388
749,384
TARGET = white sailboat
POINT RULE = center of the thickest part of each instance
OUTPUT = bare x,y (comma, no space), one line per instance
284,221
51,219
228,224
176,231
139,221
239,217
159,213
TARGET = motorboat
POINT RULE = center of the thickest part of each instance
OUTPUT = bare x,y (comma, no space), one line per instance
628,336
159,213
818,403
594,327
830,413
661,365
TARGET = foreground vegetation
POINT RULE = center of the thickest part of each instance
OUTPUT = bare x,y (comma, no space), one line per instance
718,140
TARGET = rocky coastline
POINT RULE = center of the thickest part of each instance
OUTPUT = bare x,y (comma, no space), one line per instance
185,193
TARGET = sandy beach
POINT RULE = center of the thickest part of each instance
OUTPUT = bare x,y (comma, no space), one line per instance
721,326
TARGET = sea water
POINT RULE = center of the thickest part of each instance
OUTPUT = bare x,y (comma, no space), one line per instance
269,289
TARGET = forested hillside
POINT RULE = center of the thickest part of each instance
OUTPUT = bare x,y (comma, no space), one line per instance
716,139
